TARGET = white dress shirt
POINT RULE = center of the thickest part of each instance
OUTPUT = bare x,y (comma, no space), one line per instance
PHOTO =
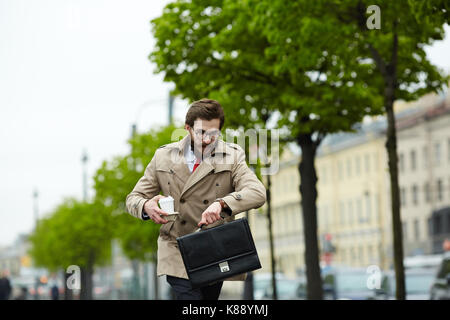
190,158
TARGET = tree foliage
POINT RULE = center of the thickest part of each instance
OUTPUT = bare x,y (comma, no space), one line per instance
74,233
115,179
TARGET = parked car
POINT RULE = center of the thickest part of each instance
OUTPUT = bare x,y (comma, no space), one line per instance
261,281
440,289
423,261
418,282
287,289
341,283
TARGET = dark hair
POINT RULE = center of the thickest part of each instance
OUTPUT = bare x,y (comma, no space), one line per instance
205,109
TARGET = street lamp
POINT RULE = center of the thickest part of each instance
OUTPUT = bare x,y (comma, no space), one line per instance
84,160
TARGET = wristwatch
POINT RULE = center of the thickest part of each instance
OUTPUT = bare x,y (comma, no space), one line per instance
224,206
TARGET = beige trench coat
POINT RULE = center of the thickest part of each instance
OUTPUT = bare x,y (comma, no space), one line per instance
224,174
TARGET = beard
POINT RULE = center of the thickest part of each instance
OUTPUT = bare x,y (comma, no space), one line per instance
204,150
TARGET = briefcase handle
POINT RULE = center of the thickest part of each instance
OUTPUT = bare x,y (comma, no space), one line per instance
201,226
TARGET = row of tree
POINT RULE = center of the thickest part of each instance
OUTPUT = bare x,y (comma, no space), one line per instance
315,65
81,233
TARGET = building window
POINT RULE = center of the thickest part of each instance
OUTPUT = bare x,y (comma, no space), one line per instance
349,168
352,255
358,165
413,160
344,255
427,192
402,196
376,203
325,217
367,162
370,254
350,211
340,170
359,210
440,191
448,149
405,229
342,212
416,229
437,153
401,162
361,254
415,195
375,161
368,207
437,225
425,157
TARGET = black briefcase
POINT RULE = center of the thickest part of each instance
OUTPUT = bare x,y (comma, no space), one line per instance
218,253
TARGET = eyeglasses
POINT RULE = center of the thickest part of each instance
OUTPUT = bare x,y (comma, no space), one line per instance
213,134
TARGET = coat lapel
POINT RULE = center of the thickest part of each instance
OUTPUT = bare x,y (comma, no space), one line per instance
202,171
206,166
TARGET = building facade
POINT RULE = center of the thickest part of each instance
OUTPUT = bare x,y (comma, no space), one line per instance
354,208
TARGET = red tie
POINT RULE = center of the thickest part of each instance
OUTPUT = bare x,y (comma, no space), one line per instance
197,162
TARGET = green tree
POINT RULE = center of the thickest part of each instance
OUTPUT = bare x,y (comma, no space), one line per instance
114,180
263,59
401,69
76,233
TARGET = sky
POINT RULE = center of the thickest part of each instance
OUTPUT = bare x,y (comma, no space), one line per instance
75,76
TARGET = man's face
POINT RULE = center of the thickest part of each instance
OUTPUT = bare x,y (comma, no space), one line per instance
204,134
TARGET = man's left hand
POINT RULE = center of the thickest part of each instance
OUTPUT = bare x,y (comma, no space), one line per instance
211,214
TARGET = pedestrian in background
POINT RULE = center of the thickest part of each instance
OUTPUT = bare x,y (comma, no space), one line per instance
23,295
5,286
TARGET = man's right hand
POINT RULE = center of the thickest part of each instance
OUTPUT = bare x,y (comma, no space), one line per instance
153,211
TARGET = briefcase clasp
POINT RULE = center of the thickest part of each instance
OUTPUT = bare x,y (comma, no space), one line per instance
224,267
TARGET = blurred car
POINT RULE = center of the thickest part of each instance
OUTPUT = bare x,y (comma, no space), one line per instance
341,283
261,281
287,289
440,289
418,282
423,261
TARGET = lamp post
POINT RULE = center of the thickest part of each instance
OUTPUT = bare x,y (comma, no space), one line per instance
152,103
36,219
35,206
84,160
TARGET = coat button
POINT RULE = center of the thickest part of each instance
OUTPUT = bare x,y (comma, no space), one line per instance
183,222
182,200
205,201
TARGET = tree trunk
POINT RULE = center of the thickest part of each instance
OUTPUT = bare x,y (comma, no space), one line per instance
86,279
135,290
389,73
155,279
308,191
272,250
68,294
391,146
248,285
145,284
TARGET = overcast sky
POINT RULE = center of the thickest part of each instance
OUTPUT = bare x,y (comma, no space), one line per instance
74,74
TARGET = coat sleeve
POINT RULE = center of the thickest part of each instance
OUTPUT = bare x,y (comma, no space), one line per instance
249,192
146,188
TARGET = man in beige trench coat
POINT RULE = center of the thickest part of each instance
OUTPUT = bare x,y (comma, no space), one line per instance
210,183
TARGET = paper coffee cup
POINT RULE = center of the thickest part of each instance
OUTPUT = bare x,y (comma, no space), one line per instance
167,205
